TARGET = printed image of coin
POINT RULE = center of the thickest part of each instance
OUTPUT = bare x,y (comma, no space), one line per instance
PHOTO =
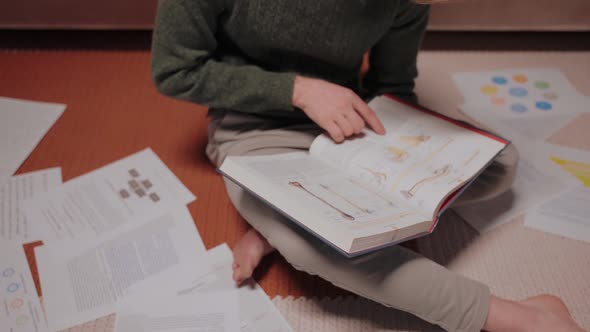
518,108
489,89
518,92
13,287
17,303
147,184
520,78
8,272
154,197
498,101
542,85
133,184
543,105
500,80
550,95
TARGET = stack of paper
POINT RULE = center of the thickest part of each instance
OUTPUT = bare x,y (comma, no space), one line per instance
119,240
22,126
530,107
213,294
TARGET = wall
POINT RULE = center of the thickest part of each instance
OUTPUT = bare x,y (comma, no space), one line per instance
533,15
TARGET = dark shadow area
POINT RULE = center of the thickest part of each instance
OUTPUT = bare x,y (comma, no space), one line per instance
434,40
506,41
76,39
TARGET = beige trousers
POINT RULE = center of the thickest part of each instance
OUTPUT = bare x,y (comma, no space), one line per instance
395,277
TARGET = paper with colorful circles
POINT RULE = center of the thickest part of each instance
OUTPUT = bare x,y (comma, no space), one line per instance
535,128
21,308
521,93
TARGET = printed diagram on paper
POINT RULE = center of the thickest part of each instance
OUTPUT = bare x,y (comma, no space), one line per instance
377,177
411,158
138,186
339,196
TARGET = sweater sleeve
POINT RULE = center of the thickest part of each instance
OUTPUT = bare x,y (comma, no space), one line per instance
392,61
185,64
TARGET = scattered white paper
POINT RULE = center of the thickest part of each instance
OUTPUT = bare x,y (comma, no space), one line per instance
569,164
83,280
216,311
531,187
3,179
101,201
538,179
21,308
546,156
566,211
14,225
257,312
564,214
22,126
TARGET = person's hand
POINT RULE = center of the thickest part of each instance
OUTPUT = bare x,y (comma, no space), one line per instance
336,109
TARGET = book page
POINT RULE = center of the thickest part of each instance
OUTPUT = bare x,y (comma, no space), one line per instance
329,202
103,200
14,226
83,280
420,160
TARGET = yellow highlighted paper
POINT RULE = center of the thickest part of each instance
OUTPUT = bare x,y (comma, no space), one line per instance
577,169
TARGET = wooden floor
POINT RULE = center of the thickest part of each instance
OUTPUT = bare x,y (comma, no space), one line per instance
113,110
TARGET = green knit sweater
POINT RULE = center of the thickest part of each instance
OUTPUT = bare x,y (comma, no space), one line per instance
243,55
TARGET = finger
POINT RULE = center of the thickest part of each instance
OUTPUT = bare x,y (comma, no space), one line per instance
345,126
335,132
358,124
369,116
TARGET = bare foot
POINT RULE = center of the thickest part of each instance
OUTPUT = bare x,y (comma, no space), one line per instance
552,312
247,254
536,314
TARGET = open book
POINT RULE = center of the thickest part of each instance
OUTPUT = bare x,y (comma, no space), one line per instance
372,191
